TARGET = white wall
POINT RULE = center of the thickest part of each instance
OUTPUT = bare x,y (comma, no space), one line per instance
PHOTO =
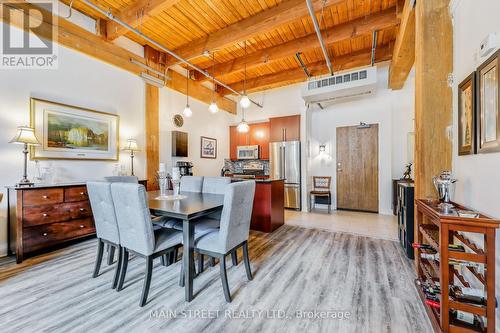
391,110
201,123
478,175
80,81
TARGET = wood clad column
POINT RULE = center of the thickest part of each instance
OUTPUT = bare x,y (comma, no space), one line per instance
152,135
433,97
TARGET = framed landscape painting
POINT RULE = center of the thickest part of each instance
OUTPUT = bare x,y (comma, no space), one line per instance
208,147
70,132
489,99
467,116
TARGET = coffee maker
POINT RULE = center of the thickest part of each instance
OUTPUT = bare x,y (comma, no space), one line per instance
185,168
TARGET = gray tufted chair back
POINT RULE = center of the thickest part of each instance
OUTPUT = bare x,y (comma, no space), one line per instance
103,211
191,184
134,219
122,179
216,185
236,214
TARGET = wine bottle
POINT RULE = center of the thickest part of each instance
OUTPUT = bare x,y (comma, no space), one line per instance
433,304
451,247
468,319
469,295
454,262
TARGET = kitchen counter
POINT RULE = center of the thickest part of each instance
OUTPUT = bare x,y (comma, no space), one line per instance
257,180
268,205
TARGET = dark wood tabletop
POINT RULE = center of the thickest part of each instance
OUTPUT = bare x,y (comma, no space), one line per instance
195,205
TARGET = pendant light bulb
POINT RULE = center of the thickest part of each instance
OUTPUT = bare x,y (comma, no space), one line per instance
213,107
245,101
187,111
243,127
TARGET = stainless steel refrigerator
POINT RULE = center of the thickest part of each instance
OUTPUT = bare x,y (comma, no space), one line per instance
284,162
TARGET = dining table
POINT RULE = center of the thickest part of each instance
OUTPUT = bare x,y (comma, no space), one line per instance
189,208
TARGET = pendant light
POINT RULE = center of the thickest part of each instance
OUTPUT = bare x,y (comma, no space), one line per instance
187,110
213,106
245,101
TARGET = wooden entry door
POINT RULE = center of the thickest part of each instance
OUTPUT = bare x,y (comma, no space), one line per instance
357,168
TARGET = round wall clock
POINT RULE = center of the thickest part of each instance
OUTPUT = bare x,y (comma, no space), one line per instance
178,120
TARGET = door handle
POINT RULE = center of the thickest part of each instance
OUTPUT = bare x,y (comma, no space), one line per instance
339,167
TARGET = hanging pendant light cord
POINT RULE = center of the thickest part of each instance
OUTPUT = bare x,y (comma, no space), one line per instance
213,73
245,79
187,87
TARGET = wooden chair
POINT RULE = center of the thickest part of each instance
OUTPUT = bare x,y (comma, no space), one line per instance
321,190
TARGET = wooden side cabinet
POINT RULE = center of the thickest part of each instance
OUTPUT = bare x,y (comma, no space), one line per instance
284,128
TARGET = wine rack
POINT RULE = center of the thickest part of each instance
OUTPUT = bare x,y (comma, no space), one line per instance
438,229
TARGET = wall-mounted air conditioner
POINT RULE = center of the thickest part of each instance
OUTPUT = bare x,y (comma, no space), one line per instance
341,86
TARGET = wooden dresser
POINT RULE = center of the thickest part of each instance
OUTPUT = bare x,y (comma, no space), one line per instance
44,216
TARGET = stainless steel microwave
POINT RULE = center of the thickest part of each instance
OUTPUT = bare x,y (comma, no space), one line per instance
247,152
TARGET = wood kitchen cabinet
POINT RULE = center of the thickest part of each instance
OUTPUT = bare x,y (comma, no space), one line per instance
284,128
257,135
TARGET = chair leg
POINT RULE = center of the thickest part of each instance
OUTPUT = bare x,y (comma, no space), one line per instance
247,261
123,270
98,259
223,277
201,259
212,262
147,280
162,261
234,257
176,254
111,255
117,268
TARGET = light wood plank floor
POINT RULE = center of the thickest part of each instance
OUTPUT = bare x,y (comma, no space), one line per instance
295,269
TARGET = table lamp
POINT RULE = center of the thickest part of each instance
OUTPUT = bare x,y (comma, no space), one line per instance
132,147
25,135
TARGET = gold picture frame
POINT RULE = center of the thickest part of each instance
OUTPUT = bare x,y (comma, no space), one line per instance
69,132
467,115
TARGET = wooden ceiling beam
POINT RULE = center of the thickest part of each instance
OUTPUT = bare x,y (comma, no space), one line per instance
74,37
265,21
349,61
346,31
404,49
135,14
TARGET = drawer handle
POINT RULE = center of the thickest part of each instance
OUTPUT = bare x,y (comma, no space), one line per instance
82,193
82,226
45,197
45,234
45,214
82,209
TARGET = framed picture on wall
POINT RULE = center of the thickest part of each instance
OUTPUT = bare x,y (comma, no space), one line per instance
488,105
467,115
73,133
208,147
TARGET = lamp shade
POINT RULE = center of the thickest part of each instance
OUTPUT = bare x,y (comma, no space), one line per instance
187,111
243,127
131,145
245,101
26,135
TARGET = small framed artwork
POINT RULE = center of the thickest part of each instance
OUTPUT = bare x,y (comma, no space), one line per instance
467,115
208,147
73,133
488,105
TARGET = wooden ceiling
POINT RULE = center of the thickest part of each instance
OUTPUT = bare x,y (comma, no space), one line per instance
272,30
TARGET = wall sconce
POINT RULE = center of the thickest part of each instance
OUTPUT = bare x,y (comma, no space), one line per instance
322,149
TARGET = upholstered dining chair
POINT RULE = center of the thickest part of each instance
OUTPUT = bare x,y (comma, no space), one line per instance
191,184
118,179
122,179
137,234
321,192
106,225
234,230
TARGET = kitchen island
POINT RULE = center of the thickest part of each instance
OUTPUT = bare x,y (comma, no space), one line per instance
268,205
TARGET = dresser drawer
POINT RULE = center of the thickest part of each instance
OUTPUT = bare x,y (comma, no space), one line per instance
78,193
43,197
38,237
45,214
